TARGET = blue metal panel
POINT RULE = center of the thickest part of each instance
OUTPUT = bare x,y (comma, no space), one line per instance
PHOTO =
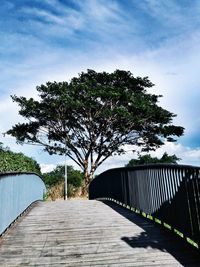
17,192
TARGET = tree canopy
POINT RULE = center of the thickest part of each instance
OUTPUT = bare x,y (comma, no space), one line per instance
93,116
148,159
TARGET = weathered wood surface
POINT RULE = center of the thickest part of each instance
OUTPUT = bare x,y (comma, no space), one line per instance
91,233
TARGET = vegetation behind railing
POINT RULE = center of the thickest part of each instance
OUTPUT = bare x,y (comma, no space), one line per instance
16,162
167,194
17,192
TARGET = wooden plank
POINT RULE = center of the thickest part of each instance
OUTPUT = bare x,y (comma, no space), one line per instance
91,233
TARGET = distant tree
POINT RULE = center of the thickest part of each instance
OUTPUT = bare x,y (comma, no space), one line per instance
11,161
173,159
93,116
54,181
74,177
148,159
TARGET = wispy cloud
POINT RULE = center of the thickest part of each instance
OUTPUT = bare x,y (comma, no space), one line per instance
173,14
44,15
101,11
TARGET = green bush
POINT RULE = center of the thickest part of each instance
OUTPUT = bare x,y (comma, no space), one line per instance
74,177
11,161
54,181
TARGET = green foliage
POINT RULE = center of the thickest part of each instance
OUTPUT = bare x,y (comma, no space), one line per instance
11,161
54,181
74,177
90,118
148,159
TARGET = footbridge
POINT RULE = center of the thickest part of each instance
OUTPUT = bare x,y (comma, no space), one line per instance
141,216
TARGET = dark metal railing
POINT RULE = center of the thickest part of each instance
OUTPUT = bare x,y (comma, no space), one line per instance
167,194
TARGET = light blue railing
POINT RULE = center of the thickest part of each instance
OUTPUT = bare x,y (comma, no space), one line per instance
17,192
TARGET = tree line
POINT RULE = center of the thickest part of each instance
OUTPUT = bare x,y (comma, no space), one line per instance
54,180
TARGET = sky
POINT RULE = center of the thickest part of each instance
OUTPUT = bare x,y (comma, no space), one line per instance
54,40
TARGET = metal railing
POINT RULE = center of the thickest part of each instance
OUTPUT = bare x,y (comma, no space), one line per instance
167,194
17,192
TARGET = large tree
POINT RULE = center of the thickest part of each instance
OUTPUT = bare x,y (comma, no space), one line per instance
93,116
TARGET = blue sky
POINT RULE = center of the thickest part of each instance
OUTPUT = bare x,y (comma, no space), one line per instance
57,39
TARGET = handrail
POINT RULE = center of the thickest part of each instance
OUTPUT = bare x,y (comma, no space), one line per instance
19,172
166,193
18,190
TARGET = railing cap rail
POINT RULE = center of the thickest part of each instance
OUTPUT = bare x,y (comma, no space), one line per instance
152,166
18,173
157,165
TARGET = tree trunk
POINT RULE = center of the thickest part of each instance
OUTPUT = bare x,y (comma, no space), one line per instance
87,179
88,176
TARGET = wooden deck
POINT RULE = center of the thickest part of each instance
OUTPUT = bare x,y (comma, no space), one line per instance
91,233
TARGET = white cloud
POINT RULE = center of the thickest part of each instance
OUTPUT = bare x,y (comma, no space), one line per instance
180,91
189,156
47,167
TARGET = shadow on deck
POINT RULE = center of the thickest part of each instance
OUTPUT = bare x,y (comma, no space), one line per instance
155,237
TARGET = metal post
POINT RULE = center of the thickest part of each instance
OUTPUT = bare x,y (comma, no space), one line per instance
65,197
